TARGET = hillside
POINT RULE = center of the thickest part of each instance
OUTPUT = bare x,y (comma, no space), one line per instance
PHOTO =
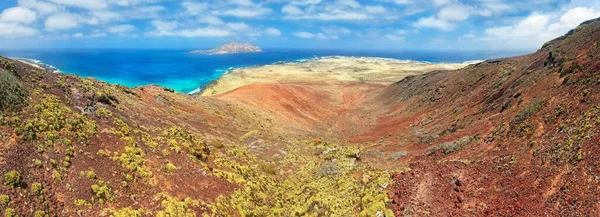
506,137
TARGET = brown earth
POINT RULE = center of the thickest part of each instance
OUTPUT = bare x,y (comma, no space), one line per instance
507,137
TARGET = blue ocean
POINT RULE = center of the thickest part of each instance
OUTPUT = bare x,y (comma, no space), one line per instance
185,72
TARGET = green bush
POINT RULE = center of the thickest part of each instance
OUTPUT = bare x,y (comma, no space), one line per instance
176,207
37,188
12,179
4,199
170,168
529,111
102,192
126,212
40,213
13,95
10,212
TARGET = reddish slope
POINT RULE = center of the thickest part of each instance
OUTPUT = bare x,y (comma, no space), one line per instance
538,119
529,129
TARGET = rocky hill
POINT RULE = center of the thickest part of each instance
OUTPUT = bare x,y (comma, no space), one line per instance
507,137
231,48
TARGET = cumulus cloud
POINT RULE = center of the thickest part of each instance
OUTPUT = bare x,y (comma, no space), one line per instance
203,32
166,28
244,12
319,35
452,12
273,31
535,29
340,10
13,30
456,12
438,3
42,7
572,18
85,4
211,20
62,21
304,35
433,22
397,35
124,28
291,10
194,7
18,15
533,24
239,26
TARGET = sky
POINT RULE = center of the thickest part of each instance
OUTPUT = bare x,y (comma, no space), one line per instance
290,24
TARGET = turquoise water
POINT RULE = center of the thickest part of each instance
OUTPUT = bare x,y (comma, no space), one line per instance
185,72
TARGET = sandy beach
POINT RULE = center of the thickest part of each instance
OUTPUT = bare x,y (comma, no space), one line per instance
31,64
331,70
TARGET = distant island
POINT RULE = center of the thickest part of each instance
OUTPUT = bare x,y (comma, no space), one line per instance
231,48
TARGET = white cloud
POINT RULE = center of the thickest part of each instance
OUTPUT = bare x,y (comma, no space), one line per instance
42,7
127,3
348,3
244,12
377,9
194,7
12,30
211,20
165,28
432,22
241,2
457,12
86,4
145,12
107,16
237,26
535,29
18,15
400,2
62,21
291,10
203,32
336,30
305,2
78,35
438,3
318,35
572,18
533,24
273,32
124,28
304,35
339,10
397,35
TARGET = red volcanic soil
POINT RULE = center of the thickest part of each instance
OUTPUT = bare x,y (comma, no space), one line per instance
531,123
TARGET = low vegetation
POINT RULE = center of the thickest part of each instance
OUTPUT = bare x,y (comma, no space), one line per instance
13,179
13,95
322,186
450,147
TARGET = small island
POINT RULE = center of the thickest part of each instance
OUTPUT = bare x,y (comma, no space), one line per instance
231,48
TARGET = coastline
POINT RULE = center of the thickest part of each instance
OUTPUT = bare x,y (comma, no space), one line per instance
225,72
36,64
